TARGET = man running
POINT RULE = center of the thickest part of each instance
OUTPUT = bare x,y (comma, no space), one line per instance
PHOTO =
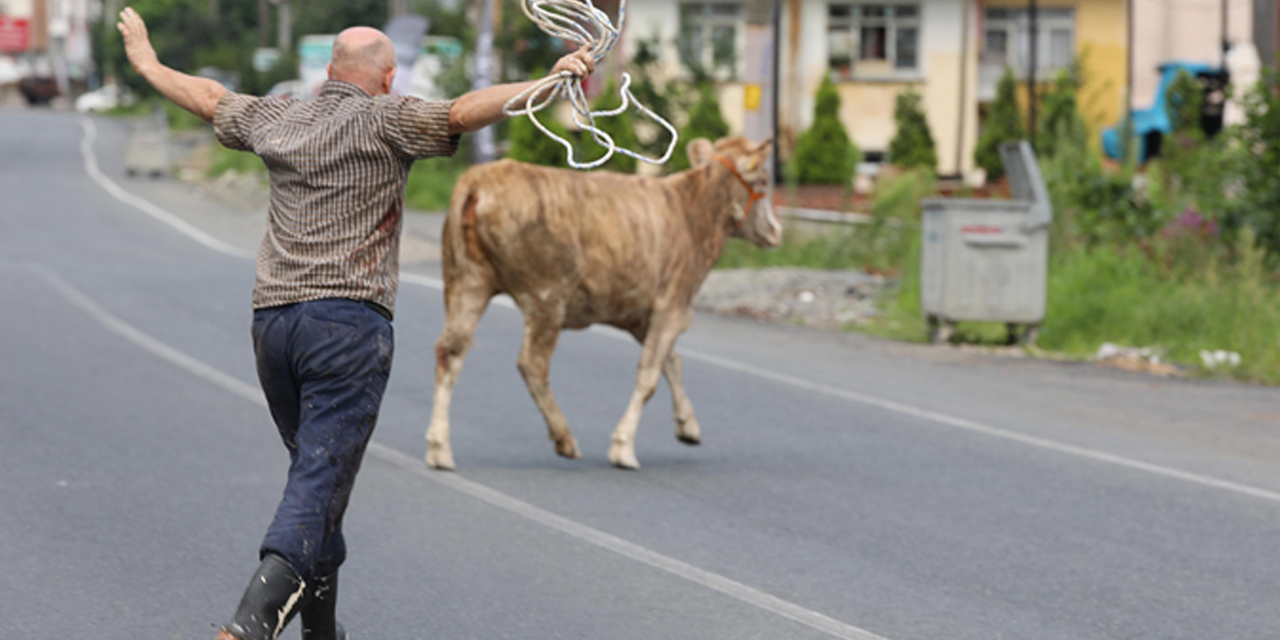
325,291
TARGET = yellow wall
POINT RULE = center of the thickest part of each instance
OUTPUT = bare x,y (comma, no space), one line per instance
1101,43
866,109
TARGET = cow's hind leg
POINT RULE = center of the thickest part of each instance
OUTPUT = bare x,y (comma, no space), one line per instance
541,332
687,429
657,344
464,306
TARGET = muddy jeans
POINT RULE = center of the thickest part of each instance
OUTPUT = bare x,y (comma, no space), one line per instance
324,366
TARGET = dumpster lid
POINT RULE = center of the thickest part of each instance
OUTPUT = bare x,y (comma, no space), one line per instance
1026,182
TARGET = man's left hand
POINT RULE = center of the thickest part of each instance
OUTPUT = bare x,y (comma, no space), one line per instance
137,44
580,63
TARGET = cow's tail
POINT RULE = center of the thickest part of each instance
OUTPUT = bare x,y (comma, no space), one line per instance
462,248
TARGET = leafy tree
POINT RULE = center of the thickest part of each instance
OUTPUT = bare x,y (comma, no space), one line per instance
1003,124
705,121
912,146
620,127
824,154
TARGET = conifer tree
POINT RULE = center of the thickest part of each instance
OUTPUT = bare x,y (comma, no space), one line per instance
912,146
620,127
1003,124
705,121
824,153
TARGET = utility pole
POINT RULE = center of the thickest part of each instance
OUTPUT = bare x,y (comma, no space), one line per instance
264,24
398,8
284,20
1033,123
776,79
486,147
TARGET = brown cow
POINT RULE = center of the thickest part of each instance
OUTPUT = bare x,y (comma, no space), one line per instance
575,249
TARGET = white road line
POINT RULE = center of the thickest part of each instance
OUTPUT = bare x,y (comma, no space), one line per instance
800,383
684,570
187,229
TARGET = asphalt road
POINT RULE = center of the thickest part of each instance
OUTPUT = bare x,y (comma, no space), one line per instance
846,487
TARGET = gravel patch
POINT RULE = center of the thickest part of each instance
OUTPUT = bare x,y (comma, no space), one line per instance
821,299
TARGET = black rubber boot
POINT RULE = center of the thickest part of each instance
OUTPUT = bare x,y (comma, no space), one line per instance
270,601
319,620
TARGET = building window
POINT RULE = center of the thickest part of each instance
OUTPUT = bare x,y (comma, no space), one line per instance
709,36
1007,40
868,39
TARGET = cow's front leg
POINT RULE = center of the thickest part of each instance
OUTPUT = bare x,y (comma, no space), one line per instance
657,344
687,429
541,333
464,307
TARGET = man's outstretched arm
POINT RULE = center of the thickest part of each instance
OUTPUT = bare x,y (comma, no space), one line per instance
479,109
197,95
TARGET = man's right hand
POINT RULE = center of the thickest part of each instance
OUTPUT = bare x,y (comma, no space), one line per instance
137,45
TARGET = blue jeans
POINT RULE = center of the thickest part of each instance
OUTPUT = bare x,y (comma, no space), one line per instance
324,367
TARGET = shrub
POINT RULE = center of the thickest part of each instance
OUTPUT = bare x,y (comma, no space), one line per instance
529,144
1259,142
912,146
622,128
1061,122
824,154
705,121
1003,124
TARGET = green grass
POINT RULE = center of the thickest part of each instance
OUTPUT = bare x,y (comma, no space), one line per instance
1224,301
431,184
179,119
225,160
1105,295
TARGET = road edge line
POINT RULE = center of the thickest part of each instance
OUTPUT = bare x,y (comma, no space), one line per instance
493,497
91,166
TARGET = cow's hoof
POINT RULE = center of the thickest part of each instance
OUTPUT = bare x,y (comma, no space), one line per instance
623,457
440,458
568,448
689,433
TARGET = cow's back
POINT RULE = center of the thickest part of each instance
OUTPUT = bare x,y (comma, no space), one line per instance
604,245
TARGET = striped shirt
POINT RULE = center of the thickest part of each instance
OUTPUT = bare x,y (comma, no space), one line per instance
338,168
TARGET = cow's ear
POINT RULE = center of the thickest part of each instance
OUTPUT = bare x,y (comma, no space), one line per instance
700,152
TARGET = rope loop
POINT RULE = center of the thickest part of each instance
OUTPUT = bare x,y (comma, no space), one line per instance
580,22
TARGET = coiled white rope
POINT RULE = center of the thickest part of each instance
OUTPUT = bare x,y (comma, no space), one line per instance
581,22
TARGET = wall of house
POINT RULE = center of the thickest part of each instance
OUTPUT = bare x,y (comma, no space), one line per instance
1101,34
648,19
1189,30
867,103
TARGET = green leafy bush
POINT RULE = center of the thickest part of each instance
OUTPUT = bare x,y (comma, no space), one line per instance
1003,124
705,121
1061,122
530,144
824,153
1259,143
912,146
622,128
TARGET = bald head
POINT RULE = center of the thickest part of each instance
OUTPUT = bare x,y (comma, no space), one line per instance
364,57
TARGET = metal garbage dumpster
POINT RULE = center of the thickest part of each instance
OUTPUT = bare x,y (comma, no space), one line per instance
987,260
148,150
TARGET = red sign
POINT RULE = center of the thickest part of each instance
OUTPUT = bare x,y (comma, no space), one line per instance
15,35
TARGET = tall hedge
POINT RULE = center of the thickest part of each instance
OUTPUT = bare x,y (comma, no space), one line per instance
912,146
1003,124
705,121
824,153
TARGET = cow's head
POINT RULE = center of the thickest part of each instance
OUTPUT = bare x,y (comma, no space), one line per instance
753,216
